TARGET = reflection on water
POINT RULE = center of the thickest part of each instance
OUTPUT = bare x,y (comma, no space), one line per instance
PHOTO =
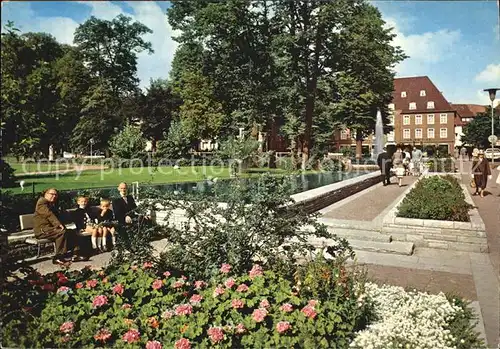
299,183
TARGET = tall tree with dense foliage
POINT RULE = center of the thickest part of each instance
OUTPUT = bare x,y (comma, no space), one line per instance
478,130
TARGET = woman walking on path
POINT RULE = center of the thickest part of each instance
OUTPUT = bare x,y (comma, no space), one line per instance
397,160
481,172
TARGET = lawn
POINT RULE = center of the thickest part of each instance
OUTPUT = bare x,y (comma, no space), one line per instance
111,177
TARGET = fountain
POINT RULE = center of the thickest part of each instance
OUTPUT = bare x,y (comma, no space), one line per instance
379,136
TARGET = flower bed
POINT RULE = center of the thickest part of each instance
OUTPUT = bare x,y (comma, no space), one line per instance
438,198
325,306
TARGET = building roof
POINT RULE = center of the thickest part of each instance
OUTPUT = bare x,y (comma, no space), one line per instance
469,110
412,86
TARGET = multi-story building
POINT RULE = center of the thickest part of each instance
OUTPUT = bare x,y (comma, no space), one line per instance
466,113
421,114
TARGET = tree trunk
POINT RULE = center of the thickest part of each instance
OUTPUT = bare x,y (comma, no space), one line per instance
359,145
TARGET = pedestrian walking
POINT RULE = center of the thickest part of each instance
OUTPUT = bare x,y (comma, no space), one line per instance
384,162
416,158
397,161
481,172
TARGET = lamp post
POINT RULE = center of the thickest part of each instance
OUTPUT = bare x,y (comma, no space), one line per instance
492,92
91,141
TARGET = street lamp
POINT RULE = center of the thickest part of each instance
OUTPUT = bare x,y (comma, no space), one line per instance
91,141
493,139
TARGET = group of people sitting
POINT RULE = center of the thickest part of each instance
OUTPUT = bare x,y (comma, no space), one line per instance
401,162
100,223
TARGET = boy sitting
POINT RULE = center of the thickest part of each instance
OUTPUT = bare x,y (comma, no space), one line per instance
85,221
106,224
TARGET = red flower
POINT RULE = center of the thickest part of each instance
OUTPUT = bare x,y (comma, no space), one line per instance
216,334
153,345
183,309
283,326
157,284
256,271
218,291
79,285
48,287
91,283
240,329
196,298
242,288
118,289
99,301
147,265
264,304
63,280
309,311
182,343
237,304
102,335
259,314
287,307
67,327
225,268
229,283
63,289
131,336
166,274
199,284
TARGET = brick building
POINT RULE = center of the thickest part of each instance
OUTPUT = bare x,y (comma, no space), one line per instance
466,113
421,115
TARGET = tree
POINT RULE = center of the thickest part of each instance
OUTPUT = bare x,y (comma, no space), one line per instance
110,49
129,143
478,130
175,144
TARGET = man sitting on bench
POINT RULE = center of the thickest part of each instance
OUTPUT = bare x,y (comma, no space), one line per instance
47,225
124,205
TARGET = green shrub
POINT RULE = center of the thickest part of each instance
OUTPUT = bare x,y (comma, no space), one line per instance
8,179
332,165
462,326
130,143
436,197
441,164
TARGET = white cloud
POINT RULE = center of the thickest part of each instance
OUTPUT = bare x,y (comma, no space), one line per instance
491,74
483,98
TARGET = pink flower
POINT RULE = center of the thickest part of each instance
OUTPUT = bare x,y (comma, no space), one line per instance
218,291
312,302
283,326
242,288
166,274
118,289
153,345
147,265
126,306
178,284
157,284
183,277
287,307
99,301
183,309
237,303
91,283
199,284
256,271
63,289
225,268
167,314
182,343
102,335
259,314
229,283
131,336
67,327
240,329
216,334
309,312
264,304
195,298
79,285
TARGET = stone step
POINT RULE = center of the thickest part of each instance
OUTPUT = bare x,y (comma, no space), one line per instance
365,235
349,224
395,247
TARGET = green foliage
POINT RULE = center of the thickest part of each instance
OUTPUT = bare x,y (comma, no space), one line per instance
441,164
129,143
478,130
240,151
8,179
176,144
462,326
436,197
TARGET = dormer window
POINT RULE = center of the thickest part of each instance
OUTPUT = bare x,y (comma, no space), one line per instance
403,94
430,105
413,106
391,106
422,93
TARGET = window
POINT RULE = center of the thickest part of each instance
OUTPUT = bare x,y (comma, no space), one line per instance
403,94
391,106
418,119
430,133
443,118
391,120
406,119
343,134
443,133
430,105
418,133
406,133
413,106
422,93
430,119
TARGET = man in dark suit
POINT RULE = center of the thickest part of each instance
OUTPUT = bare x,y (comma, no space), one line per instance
124,205
384,162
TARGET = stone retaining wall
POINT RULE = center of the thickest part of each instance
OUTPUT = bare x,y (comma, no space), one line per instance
448,235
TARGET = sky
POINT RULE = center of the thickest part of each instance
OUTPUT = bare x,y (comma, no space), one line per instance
455,43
